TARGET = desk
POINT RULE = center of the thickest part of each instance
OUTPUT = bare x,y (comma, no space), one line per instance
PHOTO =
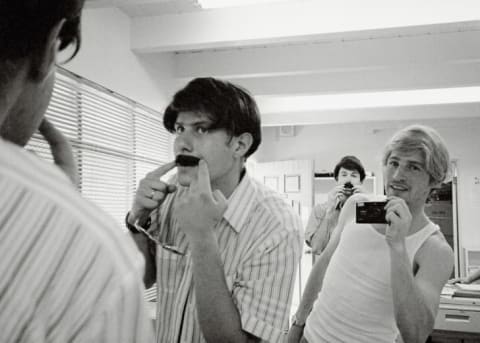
458,321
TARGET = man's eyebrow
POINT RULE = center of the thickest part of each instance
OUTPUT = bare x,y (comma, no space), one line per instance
421,164
193,123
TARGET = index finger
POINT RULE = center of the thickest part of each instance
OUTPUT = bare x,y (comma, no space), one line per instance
334,190
162,170
392,200
203,178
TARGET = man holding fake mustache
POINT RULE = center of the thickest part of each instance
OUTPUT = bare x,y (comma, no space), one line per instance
222,247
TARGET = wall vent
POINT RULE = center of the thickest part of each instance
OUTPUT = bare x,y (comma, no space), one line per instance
286,131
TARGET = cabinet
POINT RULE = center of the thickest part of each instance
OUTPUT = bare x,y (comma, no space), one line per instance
457,323
442,336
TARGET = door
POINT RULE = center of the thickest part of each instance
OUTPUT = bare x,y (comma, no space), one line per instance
293,180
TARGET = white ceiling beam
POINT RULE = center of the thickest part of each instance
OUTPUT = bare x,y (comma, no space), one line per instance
399,78
110,3
366,54
134,8
458,111
290,21
427,61
411,97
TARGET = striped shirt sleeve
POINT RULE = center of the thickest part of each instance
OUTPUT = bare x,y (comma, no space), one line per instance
264,299
263,288
69,274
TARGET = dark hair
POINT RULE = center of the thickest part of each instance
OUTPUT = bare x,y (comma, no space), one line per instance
350,163
26,24
230,107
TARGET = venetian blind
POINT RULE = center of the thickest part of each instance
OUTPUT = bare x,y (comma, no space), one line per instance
116,141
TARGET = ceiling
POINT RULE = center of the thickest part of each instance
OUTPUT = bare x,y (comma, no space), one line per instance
140,8
330,61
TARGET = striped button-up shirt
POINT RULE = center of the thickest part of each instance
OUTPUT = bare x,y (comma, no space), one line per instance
260,241
67,272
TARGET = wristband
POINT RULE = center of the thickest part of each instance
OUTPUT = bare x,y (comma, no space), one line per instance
133,229
298,323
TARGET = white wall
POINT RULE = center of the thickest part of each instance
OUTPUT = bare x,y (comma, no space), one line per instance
106,58
326,144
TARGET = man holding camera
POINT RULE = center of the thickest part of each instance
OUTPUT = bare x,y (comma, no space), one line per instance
349,175
383,281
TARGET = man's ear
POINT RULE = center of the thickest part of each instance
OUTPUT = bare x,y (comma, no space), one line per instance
435,184
243,143
48,56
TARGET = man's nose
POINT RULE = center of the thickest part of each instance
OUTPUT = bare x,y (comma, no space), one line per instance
399,173
183,142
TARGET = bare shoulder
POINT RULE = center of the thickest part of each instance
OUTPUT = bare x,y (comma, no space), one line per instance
435,253
437,244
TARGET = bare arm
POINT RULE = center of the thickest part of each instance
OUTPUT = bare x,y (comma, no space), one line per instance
314,221
61,150
468,279
416,298
322,219
312,288
217,314
317,274
474,277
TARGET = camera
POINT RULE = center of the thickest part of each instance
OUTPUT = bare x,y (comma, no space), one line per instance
348,189
371,212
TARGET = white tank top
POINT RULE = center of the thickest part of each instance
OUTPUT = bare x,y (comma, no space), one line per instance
355,303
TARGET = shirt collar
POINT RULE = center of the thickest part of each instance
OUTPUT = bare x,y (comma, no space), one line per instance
240,203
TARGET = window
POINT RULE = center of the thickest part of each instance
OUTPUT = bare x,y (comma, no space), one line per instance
116,141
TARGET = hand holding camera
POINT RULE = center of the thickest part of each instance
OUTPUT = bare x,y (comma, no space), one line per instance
343,192
336,195
371,212
394,212
399,220
350,189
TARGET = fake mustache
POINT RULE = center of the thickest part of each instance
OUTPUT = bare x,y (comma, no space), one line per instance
186,161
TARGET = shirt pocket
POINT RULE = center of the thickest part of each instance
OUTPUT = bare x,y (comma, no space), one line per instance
171,269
